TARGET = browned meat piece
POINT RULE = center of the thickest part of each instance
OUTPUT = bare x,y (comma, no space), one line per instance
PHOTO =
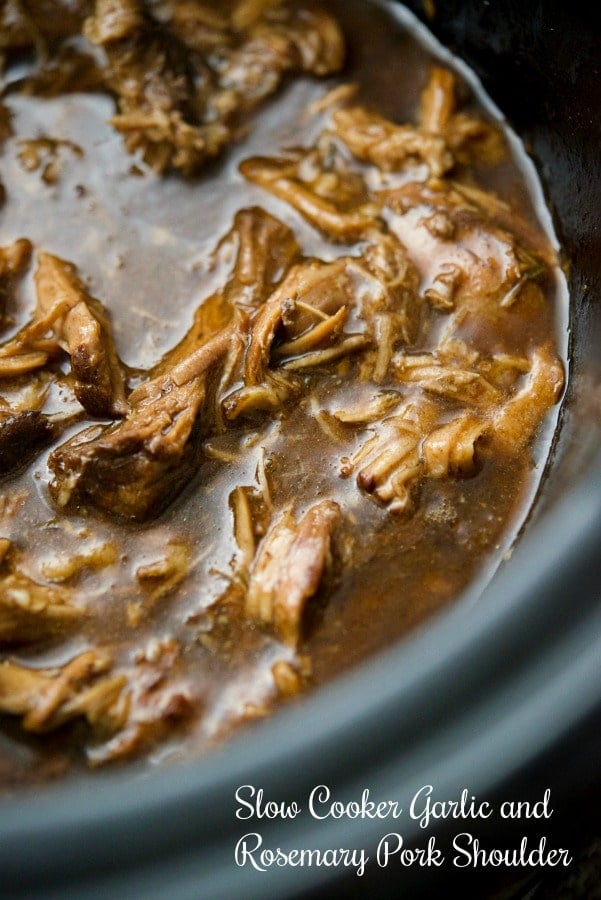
261,250
68,318
312,293
202,27
438,101
16,30
252,510
47,698
451,448
288,679
376,140
5,548
35,344
6,125
184,77
369,409
468,263
22,434
389,463
301,325
35,23
134,468
271,395
149,73
161,576
289,568
322,334
157,710
57,19
66,566
14,259
307,305
47,154
468,137
27,351
83,330
393,311
457,382
265,249
283,40
442,137
324,284
415,443
515,423
309,301
315,35
261,391
244,529
114,20
69,70
248,12
348,221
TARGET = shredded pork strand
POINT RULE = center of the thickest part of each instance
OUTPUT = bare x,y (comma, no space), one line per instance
281,179
127,710
469,137
68,319
517,421
371,138
262,249
389,463
82,329
289,566
45,699
154,703
302,325
450,449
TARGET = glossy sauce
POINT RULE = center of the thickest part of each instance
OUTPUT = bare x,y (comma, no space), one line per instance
144,241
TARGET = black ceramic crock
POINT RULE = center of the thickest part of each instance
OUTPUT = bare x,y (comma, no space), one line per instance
501,697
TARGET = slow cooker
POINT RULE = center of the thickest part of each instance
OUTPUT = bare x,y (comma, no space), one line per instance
484,722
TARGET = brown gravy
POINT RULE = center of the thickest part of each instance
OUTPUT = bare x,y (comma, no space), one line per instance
143,243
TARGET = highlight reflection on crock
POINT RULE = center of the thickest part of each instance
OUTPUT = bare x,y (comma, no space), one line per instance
463,850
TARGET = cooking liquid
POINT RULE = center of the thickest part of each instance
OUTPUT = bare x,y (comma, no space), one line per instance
143,243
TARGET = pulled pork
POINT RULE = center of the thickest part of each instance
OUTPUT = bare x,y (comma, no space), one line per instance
127,710
411,351
288,568
67,318
134,468
185,76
